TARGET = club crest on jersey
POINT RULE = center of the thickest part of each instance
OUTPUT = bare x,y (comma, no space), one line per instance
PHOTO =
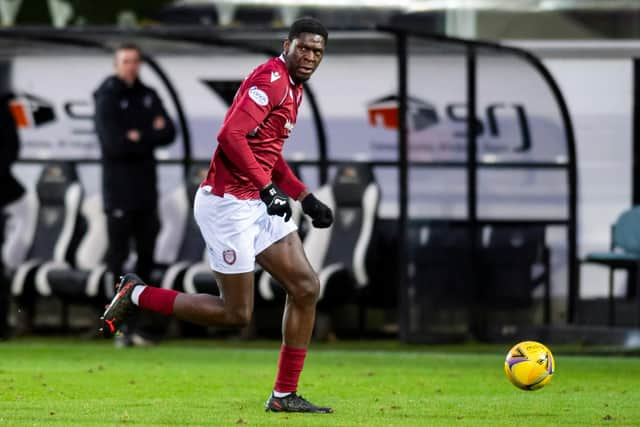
229,256
258,96
274,76
289,126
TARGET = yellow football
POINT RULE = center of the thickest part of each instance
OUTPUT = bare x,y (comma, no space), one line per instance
529,365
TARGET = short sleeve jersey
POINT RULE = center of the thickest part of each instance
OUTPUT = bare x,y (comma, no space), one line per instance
271,98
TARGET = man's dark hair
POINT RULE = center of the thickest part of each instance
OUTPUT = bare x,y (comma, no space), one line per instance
307,24
129,46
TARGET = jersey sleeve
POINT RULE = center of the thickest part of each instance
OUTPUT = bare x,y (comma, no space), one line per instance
232,140
252,107
264,93
286,180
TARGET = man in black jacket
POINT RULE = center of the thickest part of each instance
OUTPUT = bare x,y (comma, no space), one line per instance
10,190
130,122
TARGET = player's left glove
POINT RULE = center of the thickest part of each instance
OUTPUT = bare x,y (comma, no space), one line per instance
320,213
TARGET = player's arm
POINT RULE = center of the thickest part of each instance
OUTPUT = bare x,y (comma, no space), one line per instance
251,109
283,176
232,140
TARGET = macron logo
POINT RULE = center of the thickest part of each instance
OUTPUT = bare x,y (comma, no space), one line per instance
274,76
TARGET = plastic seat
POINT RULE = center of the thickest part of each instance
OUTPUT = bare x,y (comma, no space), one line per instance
87,279
623,254
57,228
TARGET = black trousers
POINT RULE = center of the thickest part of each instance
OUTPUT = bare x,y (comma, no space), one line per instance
139,227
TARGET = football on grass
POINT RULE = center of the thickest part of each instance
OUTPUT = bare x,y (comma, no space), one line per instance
529,365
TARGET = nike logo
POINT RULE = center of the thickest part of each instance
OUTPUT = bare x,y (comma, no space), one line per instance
274,76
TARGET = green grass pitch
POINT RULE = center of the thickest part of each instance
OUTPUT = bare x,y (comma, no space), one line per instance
186,383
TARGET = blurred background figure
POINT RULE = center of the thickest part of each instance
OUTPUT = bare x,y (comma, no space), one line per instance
10,190
131,122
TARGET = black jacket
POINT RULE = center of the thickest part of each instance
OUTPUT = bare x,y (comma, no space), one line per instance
129,168
10,188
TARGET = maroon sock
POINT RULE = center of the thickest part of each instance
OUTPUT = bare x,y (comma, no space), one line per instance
158,300
289,369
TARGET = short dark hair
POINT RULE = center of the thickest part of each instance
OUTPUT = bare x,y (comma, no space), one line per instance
129,46
308,24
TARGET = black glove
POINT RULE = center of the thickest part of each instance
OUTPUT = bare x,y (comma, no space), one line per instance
277,202
318,211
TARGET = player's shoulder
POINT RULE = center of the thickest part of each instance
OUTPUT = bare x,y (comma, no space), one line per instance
272,74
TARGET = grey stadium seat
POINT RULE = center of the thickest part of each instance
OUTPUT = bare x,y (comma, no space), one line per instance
57,227
87,279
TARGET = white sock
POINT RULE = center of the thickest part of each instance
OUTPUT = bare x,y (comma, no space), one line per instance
135,294
280,394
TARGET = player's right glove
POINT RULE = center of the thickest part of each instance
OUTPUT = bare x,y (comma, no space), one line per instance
277,202
320,213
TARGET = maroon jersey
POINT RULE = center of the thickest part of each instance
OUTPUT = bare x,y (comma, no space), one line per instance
261,117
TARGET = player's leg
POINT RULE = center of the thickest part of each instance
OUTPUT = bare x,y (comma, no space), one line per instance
232,308
229,227
286,261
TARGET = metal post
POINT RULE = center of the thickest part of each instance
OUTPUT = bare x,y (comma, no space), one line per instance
403,184
476,316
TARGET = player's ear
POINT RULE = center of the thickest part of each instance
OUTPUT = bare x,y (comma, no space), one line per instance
285,46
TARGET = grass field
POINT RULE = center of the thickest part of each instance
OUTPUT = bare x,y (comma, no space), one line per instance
183,383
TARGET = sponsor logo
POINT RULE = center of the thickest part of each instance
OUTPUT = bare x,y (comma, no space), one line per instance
274,76
279,202
229,256
258,96
496,122
30,111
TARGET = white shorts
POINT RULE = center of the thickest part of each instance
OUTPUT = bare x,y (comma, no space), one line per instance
235,230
